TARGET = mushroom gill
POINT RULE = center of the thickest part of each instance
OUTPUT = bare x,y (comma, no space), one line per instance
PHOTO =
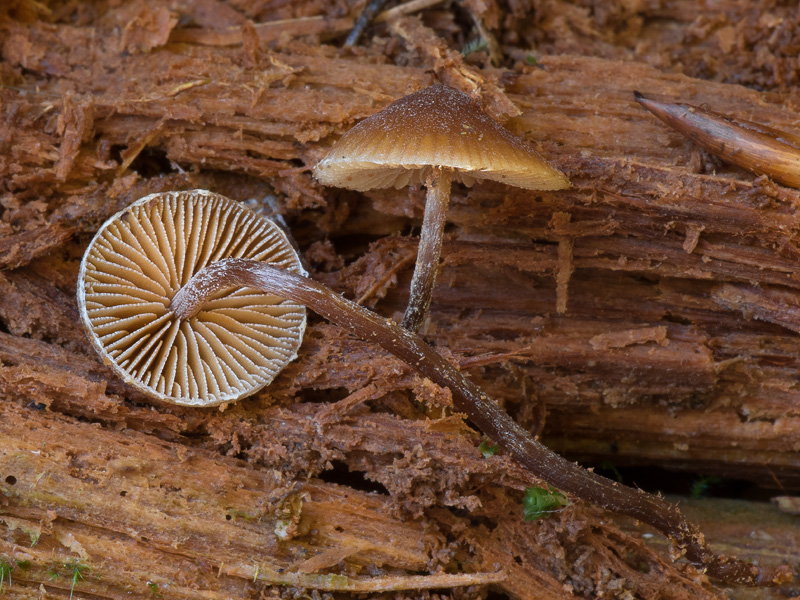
137,262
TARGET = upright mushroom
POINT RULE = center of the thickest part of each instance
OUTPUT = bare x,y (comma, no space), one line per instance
137,262
432,137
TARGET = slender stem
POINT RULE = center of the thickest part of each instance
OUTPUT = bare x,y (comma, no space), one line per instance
481,410
430,248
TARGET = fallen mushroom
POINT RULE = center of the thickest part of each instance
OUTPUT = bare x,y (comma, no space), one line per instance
493,421
137,262
757,148
432,137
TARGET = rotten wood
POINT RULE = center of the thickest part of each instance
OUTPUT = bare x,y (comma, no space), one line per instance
646,316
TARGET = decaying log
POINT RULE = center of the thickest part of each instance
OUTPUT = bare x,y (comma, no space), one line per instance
645,316
145,516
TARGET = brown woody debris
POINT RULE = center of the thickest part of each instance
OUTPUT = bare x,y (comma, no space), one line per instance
665,248
756,148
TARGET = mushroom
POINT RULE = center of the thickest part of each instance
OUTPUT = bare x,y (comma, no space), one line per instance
432,137
137,262
487,415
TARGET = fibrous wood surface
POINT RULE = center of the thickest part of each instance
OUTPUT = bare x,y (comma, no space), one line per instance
648,315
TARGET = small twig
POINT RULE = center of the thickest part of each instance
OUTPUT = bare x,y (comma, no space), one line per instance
342,583
334,412
493,421
566,264
186,86
407,8
370,13
396,268
757,148
130,154
372,8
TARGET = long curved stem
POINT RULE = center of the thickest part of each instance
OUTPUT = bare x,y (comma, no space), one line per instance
481,410
430,248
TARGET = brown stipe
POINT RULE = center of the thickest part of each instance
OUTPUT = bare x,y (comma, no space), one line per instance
756,148
481,410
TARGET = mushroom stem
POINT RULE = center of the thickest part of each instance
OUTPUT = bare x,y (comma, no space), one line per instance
430,247
495,423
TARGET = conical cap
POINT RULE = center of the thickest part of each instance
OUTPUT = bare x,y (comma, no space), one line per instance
437,126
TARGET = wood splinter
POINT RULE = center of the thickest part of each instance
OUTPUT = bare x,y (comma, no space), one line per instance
756,148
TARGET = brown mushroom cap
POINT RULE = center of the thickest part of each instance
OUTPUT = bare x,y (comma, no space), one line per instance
437,126
137,262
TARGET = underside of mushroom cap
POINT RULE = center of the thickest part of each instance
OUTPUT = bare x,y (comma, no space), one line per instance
437,126
137,262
